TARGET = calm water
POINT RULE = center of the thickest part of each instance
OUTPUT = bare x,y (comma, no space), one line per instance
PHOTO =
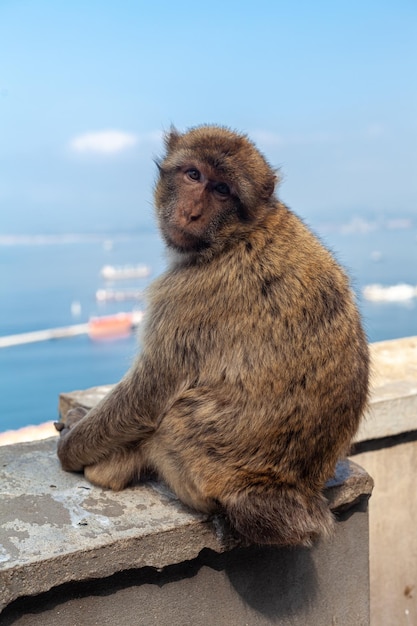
40,280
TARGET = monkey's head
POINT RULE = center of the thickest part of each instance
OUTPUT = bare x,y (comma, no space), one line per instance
212,184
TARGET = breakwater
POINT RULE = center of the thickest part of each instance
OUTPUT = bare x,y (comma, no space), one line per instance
44,335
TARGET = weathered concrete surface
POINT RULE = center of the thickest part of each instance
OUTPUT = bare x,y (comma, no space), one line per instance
327,585
86,398
349,484
394,361
393,534
391,459
56,527
393,403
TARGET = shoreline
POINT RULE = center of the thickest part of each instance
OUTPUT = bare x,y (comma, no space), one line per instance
28,433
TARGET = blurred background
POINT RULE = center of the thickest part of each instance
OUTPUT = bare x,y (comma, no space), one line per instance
327,90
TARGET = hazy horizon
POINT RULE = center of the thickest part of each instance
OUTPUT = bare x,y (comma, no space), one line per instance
326,90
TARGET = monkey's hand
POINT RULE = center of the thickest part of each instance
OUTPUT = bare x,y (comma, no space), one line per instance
64,427
72,417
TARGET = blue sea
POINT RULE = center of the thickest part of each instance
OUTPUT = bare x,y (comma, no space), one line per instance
51,281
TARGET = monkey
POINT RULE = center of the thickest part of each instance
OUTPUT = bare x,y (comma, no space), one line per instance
253,372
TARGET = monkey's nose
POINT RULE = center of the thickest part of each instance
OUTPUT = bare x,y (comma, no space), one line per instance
192,215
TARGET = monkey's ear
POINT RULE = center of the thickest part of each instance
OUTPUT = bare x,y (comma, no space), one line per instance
158,162
171,139
269,186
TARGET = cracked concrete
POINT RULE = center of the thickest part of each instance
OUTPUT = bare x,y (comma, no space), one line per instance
55,527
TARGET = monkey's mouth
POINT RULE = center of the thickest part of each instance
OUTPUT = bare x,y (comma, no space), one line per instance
184,241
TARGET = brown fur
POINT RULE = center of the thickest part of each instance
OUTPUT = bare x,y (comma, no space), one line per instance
254,370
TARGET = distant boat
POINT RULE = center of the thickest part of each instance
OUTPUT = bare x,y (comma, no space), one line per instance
115,326
112,272
111,295
75,308
392,293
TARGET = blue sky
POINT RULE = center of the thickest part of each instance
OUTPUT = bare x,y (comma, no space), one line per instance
327,89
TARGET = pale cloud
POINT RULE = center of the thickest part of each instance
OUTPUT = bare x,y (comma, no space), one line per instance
103,142
359,225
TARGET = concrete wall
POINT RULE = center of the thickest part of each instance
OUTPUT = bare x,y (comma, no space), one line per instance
90,556
388,451
393,533
326,585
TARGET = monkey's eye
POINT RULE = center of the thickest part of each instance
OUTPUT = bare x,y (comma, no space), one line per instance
193,174
222,189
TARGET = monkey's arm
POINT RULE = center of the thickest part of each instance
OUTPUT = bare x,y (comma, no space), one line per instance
127,414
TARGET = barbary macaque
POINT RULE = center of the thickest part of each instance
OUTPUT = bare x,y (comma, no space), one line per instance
253,373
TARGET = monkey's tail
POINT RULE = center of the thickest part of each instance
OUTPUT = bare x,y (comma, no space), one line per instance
279,515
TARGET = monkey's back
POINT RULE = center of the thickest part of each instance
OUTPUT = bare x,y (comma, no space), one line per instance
269,354
254,370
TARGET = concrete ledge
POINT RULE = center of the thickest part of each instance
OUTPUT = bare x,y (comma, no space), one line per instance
56,527
256,586
393,402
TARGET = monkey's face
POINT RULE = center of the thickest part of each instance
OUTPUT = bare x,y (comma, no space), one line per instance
213,184
196,206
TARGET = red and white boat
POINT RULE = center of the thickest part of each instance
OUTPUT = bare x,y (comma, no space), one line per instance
114,326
